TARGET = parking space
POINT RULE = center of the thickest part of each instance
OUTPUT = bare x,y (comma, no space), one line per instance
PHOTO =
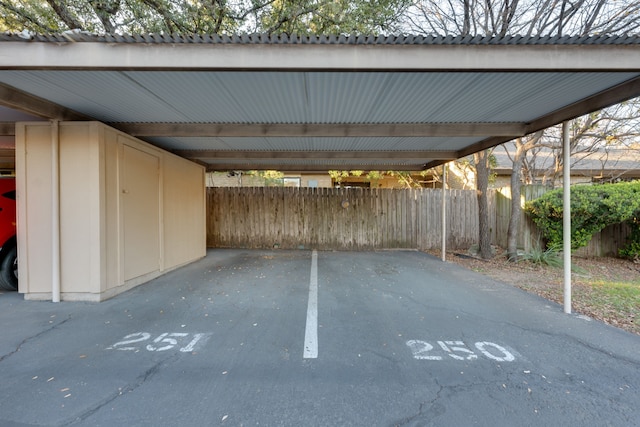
247,338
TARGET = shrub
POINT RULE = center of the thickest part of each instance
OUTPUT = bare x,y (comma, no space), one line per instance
632,249
592,209
549,256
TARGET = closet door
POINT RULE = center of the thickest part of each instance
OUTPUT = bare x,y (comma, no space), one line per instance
140,198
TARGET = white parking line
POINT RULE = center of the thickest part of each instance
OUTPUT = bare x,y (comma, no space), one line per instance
311,330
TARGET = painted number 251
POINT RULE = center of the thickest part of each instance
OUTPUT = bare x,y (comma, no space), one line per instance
163,342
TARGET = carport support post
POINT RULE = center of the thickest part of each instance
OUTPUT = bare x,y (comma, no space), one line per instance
444,212
55,211
566,216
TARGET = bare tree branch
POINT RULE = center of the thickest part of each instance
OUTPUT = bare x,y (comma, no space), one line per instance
105,10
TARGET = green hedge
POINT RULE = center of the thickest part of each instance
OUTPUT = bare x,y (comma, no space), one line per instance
593,207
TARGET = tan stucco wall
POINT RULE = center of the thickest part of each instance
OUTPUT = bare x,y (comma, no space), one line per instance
129,211
34,207
184,211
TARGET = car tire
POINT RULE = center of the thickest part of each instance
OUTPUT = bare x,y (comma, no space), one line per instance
9,270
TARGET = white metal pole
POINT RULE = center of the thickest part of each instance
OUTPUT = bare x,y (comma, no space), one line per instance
444,212
55,211
566,217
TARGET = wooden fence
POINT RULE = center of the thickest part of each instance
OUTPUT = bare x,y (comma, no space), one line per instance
338,218
365,219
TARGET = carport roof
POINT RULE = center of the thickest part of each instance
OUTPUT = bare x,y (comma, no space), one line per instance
317,102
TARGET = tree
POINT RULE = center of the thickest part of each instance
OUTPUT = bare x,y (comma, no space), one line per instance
522,17
330,17
481,159
202,16
119,16
595,134
613,127
403,178
523,145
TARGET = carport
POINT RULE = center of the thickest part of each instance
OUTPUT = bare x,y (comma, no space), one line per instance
298,103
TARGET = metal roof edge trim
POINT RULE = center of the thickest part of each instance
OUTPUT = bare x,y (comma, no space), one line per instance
313,39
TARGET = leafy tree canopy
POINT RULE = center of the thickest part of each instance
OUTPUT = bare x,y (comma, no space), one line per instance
405,179
202,16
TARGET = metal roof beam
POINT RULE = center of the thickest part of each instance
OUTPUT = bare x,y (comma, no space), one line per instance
18,100
285,167
205,155
409,57
321,130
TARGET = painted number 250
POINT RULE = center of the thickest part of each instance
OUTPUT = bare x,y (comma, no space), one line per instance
163,342
457,350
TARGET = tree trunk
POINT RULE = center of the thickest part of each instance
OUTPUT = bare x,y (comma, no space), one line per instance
523,146
516,208
482,185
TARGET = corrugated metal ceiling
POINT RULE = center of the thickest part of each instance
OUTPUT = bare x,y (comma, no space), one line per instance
324,97
297,97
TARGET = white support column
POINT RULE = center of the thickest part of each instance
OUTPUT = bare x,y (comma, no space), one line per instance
566,217
55,211
444,212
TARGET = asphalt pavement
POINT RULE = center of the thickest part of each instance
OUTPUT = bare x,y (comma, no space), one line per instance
302,338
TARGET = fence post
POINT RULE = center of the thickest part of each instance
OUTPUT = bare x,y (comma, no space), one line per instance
444,212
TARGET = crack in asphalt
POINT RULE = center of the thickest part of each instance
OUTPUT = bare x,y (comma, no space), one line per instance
439,410
431,409
38,335
138,382
574,339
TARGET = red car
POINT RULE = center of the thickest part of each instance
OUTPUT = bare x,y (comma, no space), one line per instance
8,242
